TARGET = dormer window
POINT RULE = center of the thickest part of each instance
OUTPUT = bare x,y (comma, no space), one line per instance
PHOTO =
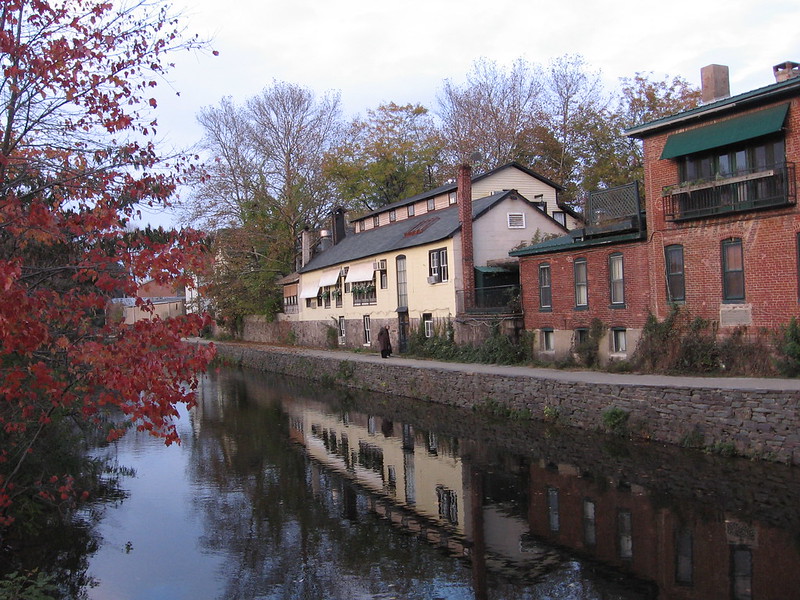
431,204
376,221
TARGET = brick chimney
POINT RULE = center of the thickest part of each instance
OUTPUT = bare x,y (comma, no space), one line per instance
337,225
464,198
715,83
786,70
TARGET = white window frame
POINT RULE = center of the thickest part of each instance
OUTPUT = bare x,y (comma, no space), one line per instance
619,340
427,322
616,279
437,267
582,284
548,342
516,220
367,332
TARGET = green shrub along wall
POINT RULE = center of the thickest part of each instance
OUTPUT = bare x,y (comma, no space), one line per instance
758,423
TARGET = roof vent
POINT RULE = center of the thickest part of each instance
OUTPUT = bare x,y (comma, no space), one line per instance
715,83
786,70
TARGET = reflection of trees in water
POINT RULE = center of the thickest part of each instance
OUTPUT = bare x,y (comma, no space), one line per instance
58,540
284,531
293,529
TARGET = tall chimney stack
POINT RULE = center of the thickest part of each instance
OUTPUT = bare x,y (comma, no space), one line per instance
464,198
337,224
715,83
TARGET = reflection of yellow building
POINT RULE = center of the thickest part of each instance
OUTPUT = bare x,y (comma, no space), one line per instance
385,458
420,483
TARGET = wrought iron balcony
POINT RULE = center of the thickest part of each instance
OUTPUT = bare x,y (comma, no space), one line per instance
501,299
745,191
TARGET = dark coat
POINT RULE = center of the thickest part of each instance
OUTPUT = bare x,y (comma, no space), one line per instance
384,343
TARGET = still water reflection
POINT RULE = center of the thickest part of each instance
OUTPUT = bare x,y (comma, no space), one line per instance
282,489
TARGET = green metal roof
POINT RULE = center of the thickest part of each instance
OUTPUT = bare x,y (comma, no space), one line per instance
724,133
492,269
760,97
574,242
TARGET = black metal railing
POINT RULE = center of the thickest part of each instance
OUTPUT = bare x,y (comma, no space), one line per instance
501,299
764,188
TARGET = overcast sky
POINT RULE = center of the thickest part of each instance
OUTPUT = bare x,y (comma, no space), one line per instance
374,51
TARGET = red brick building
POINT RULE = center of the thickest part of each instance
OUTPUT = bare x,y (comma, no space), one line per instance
719,233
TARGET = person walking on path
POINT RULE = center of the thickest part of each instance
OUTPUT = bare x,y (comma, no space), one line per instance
384,342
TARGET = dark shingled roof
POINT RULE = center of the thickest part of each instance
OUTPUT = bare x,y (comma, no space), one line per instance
407,233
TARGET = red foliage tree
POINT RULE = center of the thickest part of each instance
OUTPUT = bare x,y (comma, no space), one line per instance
76,164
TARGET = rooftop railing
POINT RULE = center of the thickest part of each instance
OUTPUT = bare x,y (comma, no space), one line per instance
501,299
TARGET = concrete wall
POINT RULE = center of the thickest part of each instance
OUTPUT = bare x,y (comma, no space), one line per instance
758,422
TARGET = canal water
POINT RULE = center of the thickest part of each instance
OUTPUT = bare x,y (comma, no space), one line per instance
283,489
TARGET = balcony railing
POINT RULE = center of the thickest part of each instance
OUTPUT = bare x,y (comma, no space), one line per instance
501,299
766,188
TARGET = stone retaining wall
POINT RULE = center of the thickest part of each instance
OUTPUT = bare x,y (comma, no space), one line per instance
758,423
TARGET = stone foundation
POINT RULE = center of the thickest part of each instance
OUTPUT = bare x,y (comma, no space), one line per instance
761,423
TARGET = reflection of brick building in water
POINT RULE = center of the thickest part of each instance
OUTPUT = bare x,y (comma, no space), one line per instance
689,552
420,482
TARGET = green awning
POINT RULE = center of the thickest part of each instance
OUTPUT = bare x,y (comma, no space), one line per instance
727,132
488,269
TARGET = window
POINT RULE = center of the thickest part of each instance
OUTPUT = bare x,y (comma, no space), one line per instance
625,534
548,340
427,323
589,523
676,282
581,284
367,332
384,279
341,328
448,504
616,278
561,217
431,204
392,216
452,198
376,220
581,337
720,163
410,210
741,573
437,265
545,288
744,176
618,340
361,225
553,518
732,270
364,293
402,282
683,556
516,220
